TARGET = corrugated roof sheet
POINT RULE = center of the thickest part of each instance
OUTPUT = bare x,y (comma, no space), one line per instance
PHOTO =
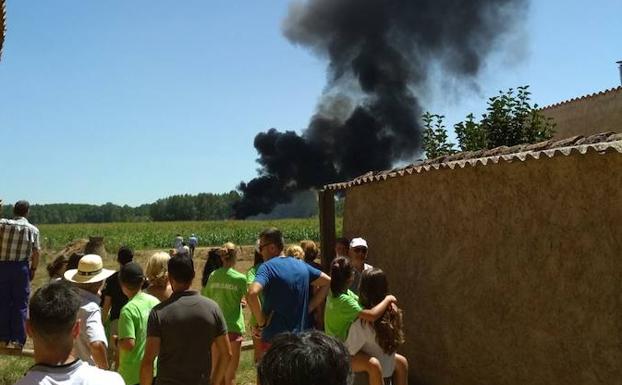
601,143
2,25
595,94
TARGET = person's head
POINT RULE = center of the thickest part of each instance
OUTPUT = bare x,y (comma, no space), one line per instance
358,252
52,320
271,243
90,274
180,272
74,260
156,271
213,258
21,208
389,327
309,358
125,255
341,275
310,249
228,254
342,245
258,257
131,278
374,287
57,267
295,251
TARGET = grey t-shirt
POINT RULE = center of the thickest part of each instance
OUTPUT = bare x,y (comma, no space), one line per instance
187,324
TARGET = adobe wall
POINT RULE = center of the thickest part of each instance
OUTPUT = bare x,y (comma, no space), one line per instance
589,115
508,273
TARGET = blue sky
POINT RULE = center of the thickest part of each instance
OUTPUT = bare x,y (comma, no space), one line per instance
130,101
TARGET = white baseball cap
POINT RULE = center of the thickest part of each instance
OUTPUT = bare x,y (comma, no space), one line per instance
358,242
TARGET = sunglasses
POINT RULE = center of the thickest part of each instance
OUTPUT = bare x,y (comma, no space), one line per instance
264,245
361,250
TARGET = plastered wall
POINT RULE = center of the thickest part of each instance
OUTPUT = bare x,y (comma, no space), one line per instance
589,115
507,273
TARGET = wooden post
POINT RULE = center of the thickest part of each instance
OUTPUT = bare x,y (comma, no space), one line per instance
326,201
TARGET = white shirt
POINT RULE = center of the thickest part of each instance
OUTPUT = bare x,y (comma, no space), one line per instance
75,373
362,337
91,327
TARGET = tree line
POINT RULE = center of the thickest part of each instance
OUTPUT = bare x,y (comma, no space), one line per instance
204,206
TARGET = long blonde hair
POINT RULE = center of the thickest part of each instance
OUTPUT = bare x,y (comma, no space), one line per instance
157,268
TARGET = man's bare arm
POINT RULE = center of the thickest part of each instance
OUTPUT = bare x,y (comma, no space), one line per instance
152,349
223,356
98,352
252,296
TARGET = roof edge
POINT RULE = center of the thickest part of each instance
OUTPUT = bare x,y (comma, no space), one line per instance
599,143
588,96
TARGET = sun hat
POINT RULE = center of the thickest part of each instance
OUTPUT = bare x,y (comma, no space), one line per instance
358,242
90,269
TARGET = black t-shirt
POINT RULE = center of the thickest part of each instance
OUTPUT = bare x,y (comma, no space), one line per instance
113,290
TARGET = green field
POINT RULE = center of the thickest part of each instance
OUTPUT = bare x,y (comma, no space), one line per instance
152,235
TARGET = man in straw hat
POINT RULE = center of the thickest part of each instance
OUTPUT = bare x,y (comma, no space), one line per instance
89,278
53,326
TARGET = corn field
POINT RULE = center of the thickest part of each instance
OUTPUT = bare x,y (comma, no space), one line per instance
153,235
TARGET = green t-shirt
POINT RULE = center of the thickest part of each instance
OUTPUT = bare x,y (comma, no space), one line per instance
133,324
250,278
226,287
340,313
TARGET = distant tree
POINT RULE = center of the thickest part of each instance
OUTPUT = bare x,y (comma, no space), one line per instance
435,139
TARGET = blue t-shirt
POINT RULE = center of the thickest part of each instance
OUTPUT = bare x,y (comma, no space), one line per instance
285,282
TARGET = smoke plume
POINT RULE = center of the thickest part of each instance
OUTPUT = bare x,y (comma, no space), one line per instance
378,52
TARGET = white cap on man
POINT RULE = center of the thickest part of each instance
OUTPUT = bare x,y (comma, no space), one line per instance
358,242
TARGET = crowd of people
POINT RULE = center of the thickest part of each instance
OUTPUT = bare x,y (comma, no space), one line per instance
308,326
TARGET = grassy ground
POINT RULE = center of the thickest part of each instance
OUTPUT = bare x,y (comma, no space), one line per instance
12,368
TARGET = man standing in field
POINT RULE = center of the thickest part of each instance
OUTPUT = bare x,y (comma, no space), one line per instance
19,258
193,241
181,331
284,282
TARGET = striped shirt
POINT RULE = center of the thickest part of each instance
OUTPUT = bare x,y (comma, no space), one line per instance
18,239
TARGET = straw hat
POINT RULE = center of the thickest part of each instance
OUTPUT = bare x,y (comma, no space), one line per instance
90,269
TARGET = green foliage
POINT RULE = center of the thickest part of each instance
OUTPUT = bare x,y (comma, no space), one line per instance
470,135
435,141
510,119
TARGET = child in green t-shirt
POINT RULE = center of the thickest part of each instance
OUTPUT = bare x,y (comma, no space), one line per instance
227,287
133,322
343,308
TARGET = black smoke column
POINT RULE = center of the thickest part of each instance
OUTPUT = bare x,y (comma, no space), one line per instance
368,117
